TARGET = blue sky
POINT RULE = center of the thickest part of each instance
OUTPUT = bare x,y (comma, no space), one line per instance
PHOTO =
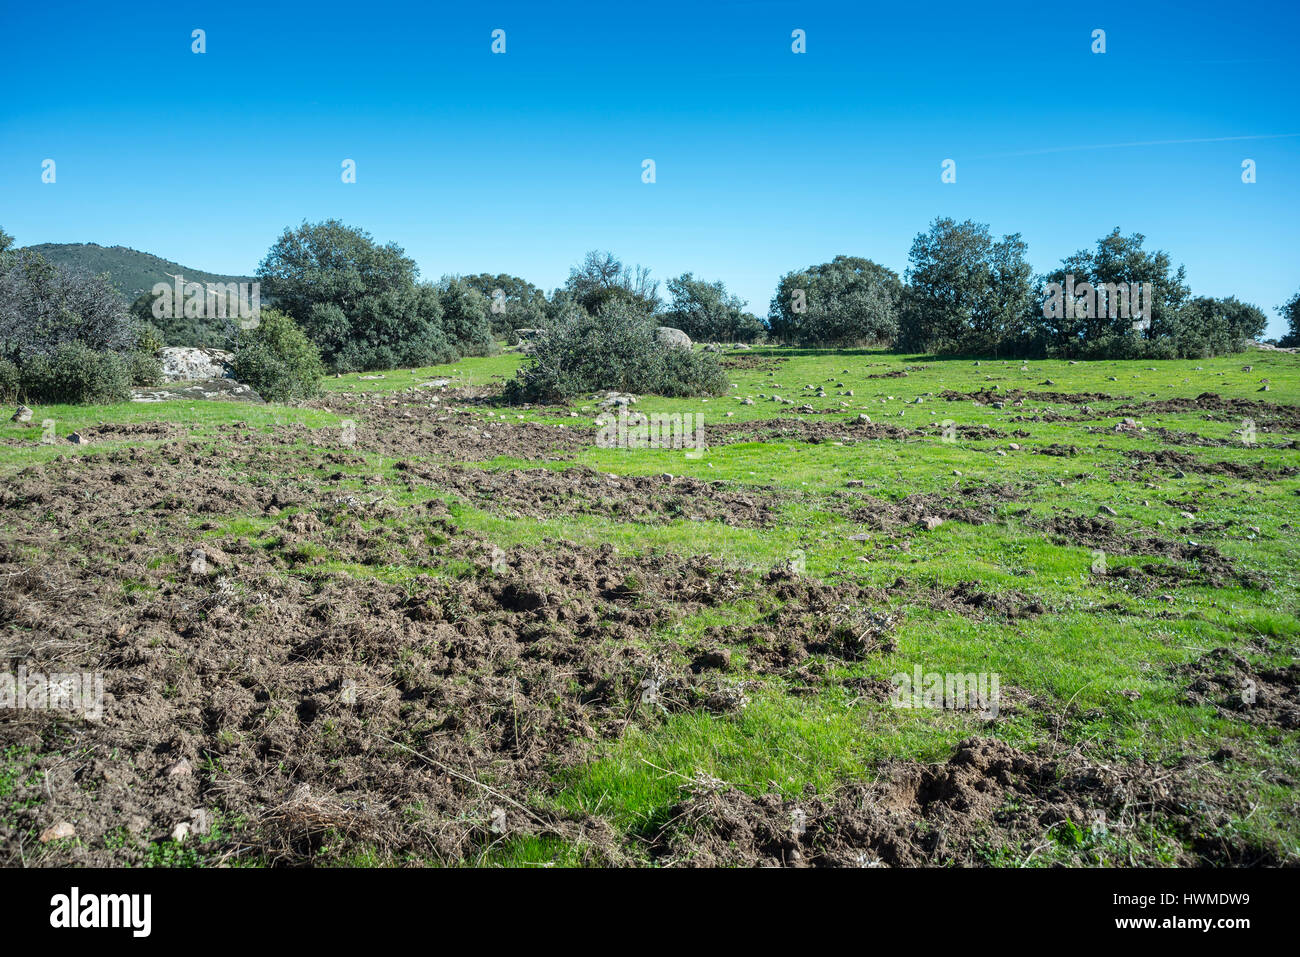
766,160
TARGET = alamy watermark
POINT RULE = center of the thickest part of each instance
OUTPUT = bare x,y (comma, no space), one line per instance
213,300
1117,300
947,691
656,430
80,694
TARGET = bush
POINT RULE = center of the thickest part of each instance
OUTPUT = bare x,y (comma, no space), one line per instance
277,359
76,373
615,349
847,301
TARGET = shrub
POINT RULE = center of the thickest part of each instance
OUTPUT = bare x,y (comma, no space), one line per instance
615,349
277,359
76,373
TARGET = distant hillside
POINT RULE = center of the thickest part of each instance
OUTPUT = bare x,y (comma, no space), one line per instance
132,271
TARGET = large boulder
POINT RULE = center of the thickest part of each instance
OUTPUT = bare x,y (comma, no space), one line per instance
186,364
204,390
673,337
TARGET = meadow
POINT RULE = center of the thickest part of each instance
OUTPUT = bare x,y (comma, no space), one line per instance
408,624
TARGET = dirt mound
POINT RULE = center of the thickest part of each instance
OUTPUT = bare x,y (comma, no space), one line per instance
411,425
1224,680
989,396
847,431
966,598
581,490
1208,566
1184,461
1265,415
987,797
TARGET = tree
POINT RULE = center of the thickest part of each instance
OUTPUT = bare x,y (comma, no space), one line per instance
513,303
966,292
465,317
705,311
1120,260
43,306
1290,311
1207,327
846,301
359,302
602,278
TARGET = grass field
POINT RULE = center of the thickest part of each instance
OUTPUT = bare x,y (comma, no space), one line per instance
424,627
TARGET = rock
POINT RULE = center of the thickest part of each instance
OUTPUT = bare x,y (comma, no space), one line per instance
23,414
181,832
58,832
205,390
76,438
864,418
673,337
180,769
1107,510
186,364
1013,446
620,399
930,522
747,402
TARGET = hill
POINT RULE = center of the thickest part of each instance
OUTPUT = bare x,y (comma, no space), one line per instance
132,271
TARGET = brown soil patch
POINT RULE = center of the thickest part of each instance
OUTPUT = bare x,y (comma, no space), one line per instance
1227,682
987,797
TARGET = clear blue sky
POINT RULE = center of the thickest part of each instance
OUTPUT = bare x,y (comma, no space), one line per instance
766,160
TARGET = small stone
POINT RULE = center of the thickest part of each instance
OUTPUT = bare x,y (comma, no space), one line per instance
58,832
182,830
23,414
930,522
181,769
1107,510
